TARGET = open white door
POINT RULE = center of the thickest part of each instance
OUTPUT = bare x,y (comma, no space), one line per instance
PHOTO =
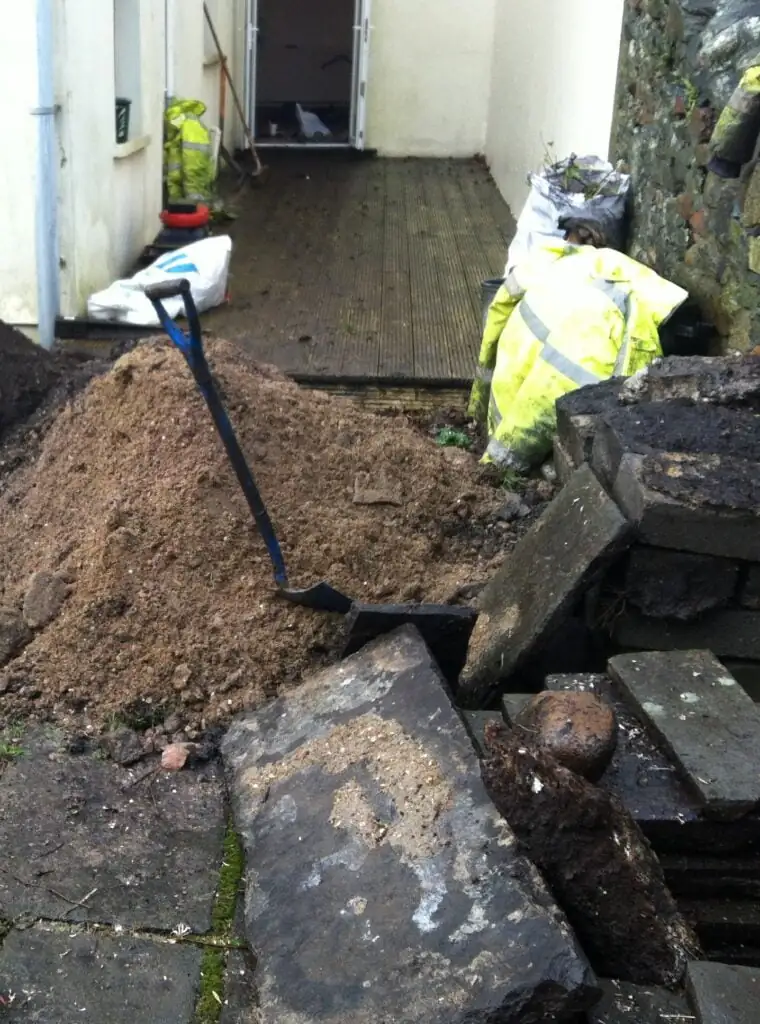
251,59
362,32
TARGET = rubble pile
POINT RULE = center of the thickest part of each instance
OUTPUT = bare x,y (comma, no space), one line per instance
678,449
135,588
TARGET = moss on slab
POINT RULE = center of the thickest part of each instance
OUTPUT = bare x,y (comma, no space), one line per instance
208,1008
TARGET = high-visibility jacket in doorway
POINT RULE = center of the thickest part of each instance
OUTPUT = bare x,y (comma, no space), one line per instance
188,162
566,317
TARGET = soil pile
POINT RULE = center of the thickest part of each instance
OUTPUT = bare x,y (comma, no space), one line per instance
28,374
151,589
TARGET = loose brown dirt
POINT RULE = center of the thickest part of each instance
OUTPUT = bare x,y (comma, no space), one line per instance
171,605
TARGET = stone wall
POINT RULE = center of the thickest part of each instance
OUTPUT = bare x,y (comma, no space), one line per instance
680,61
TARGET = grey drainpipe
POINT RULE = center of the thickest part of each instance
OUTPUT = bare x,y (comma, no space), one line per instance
47,193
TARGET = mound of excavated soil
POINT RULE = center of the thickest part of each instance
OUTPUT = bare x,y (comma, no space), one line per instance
27,373
152,588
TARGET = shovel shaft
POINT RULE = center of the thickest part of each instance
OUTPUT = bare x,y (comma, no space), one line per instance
191,347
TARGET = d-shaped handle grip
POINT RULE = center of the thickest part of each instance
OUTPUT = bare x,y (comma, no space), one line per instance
167,290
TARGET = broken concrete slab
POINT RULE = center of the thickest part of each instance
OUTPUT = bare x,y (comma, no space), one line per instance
678,584
74,976
597,862
704,721
382,883
662,521
723,994
576,436
727,632
572,543
623,1003
695,877
142,863
578,414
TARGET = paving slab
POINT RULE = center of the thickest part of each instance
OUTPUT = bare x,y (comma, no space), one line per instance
702,719
240,996
724,994
623,1003
382,883
673,427
72,977
534,591
721,922
696,515
727,632
144,846
717,379
702,877
564,464
678,584
645,779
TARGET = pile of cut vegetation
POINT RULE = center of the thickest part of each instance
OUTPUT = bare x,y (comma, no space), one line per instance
132,575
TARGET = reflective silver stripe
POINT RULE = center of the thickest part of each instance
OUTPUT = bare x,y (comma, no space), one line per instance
622,358
513,286
618,296
494,410
577,374
499,453
200,147
483,374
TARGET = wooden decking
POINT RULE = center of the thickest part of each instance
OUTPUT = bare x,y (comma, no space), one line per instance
362,269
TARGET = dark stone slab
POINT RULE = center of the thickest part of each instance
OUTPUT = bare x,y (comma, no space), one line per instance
623,1003
590,400
150,849
69,977
750,592
382,885
727,632
475,722
576,435
663,521
709,481
721,922
722,380
533,592
444,628
721,994
673,427
596,860
678,584
645,779
240,996
564,463
703,719
695,877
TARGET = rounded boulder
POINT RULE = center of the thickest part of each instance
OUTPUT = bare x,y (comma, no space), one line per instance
578,729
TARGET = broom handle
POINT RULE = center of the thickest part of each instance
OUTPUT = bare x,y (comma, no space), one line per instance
233,90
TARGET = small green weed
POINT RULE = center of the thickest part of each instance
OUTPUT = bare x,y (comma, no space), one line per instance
450,437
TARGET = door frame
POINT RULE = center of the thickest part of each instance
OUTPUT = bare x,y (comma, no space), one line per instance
362,33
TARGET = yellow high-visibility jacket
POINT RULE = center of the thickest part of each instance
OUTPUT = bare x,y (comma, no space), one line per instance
566,317
188,163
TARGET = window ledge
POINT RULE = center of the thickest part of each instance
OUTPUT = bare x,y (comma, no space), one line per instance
125,149
212,60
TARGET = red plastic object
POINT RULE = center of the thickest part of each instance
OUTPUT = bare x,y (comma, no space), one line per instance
198,219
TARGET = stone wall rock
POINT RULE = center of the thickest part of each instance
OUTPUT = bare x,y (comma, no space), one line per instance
680,61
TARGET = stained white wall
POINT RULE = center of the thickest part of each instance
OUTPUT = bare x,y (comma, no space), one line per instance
552,85
18,166
109,196
430,76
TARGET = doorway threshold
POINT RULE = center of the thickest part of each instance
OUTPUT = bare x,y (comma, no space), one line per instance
269,144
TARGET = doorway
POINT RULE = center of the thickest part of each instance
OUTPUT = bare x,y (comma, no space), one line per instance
306,72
